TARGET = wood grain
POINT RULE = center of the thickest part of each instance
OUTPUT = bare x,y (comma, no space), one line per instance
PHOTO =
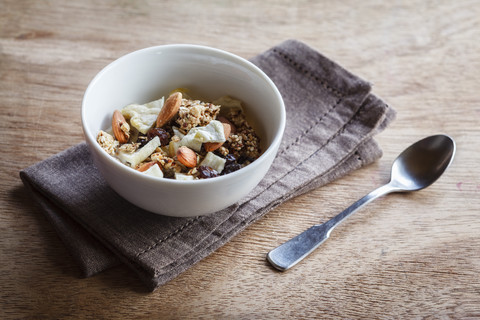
404,256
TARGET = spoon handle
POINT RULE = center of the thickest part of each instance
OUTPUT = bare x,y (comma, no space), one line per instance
296,249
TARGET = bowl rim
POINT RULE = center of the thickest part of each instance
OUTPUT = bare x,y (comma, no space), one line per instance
272,147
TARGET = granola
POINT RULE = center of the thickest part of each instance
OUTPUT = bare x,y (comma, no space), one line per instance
195,113
201,140
107,142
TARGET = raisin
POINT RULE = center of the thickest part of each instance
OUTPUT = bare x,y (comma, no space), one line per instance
245,159
142,140
169,173
231,167
206,172
230,158
161,133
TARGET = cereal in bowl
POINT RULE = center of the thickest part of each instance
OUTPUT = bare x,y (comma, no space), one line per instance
182,138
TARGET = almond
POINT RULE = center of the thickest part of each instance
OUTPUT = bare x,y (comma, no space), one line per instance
222,119
120,127
146,166
169,109
187,157
227,129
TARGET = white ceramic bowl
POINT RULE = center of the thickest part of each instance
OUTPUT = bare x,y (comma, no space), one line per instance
151,73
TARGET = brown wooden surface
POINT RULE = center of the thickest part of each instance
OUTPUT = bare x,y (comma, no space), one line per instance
405,255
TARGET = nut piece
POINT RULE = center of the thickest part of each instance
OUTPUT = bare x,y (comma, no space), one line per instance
187,157
169,109
227,129
120,127
232,126
147,165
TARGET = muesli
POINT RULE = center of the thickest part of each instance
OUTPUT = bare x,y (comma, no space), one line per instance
182,138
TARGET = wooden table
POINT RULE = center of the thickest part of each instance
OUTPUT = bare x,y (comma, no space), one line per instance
406,255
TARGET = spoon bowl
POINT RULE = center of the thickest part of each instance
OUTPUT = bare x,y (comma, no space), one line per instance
421,164
417,167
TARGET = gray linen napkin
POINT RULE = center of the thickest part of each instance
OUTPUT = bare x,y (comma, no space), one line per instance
331,119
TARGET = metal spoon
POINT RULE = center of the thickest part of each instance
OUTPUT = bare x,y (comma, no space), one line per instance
416,168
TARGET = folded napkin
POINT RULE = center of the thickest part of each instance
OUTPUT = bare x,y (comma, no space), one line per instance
331,118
